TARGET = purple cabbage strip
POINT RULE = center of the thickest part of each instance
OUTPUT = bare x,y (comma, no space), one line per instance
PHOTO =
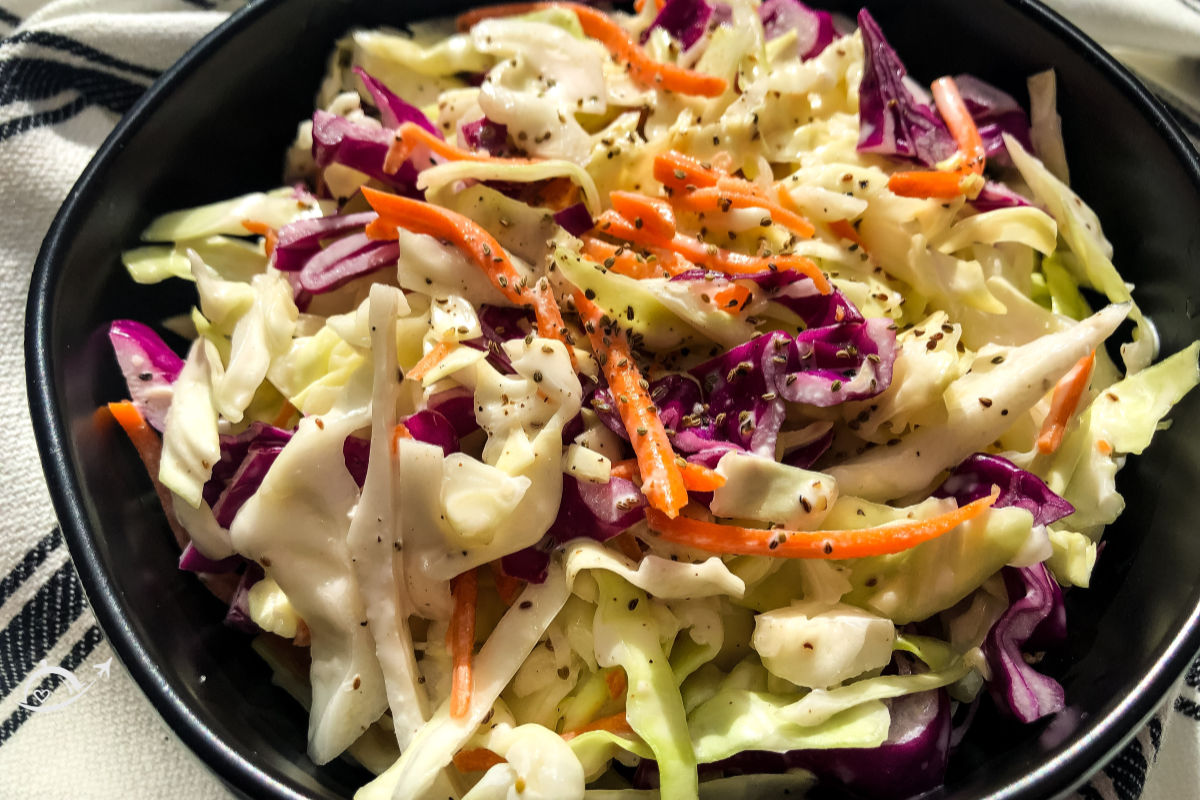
300,240
149,367
997,195
245,482
346,259
745,407
432,427
488,136
235,449
394,111
891,120
1036,612
500,324
457,405
192,560
995,113
238,616
814,29
337,140
597,511
685,20
806,455
975,476
575,219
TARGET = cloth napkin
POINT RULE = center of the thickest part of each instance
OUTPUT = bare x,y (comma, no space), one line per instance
68,70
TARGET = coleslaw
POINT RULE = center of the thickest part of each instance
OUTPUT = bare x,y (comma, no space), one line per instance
648,404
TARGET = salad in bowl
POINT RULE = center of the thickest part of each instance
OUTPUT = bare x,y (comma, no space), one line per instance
619,403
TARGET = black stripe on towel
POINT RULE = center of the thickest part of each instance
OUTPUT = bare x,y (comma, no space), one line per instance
79,651
26,566
39,79
1189,708
56,41
38,626
1128,771
9,18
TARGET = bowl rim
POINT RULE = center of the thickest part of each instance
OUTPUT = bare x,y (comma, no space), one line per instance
1053,778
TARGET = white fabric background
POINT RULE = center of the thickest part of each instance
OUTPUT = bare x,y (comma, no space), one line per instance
111,744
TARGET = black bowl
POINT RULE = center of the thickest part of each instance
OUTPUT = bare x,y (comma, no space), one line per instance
216,125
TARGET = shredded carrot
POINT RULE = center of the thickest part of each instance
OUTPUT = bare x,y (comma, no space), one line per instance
286,412
711,256
962,127
624,261
662,482
508,587
716,198
149,450
399,432
627,469
699,478
467,235
627,544
616,682
461,635
1104,447
843,229
478,759
1063,403
922,184
380,229
269,234
617,723
430,360
733,540
638,5
731,298
652,214
683,173
410,136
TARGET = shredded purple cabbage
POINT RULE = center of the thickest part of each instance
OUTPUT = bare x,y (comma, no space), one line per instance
337,140
245,482
344,260
192,560
997,195
356,453
301,240
685,20
500,324
1036,618
531,564
149,367
814,29
457,405
394,111
806,455
432,427
234,450
575,219
975,476
488,136
995,113
238,615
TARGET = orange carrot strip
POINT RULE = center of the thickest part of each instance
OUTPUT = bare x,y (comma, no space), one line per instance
269,234
941,185
711,256
286,412
1063,403
461,633
715,198
597,25
627,469
638,5
699,478
731,298
430,360
843,229
410,136
662,483
617,723
652,214
1104,447
380,229
481,247
478,759
149,450
629,263
881,540
962,127
399,432
508,587
683,173
616,681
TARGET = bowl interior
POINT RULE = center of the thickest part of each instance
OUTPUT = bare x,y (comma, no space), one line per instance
218,124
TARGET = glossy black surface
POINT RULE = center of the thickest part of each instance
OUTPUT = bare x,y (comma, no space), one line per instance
217,125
